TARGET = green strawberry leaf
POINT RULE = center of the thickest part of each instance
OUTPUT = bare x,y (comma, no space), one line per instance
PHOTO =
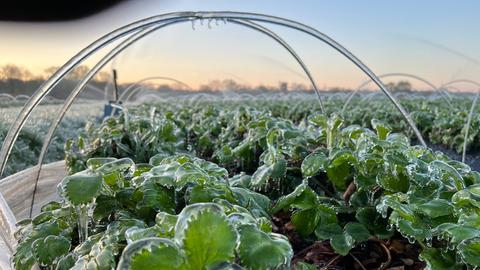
469,251
314,163
205,234
47,250
152,253
81,188
261,251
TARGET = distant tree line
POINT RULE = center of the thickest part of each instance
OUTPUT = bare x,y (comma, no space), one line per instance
16,80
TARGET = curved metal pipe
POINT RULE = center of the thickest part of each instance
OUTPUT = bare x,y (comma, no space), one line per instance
176,17
120,48
120,32
397,74
472,82
76,91
8,96
470,114
285,45
277,38
127,90
135,91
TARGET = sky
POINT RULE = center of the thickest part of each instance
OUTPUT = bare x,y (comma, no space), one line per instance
434,39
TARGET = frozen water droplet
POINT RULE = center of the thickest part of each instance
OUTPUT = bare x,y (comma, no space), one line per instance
82,220
384,212
458,258
193,25
428,241
411,239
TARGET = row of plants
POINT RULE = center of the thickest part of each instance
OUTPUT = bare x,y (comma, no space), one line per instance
27,148
440,123
229,186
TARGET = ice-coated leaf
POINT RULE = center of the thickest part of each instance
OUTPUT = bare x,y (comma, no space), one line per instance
163,174
66,262
50,248
305,266
211,168
262,251
326,230
81,188
155,198
95,163
390,182
152,254
119,165
134,233
436,259
358,231
205,234
279,168
258,204
469,250
416,229
286,200
436,208
305,221
456,233
333,125
314,163
339,169
467,197
23,258
373,221
342,243
447,174
240,218
319,120
190,173
206,193
240,180
140,168
261,175
166,222
157,159
382,129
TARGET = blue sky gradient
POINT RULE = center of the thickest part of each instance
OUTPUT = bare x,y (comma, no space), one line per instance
438,40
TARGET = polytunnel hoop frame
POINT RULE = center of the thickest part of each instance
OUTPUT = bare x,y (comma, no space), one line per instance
396,74
470,114
124,45
131,90
7,96
279,40
171,18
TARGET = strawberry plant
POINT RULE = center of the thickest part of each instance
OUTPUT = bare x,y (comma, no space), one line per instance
229,186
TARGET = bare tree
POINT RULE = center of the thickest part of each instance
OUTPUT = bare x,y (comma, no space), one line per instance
13,72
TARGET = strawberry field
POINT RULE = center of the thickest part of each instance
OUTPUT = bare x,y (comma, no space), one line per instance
265,184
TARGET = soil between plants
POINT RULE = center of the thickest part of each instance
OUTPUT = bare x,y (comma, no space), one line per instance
393,254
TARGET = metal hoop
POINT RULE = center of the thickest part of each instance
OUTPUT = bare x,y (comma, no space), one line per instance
398,74
470,114
128,92
141,27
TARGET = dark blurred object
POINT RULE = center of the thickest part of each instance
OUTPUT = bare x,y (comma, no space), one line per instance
51,10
